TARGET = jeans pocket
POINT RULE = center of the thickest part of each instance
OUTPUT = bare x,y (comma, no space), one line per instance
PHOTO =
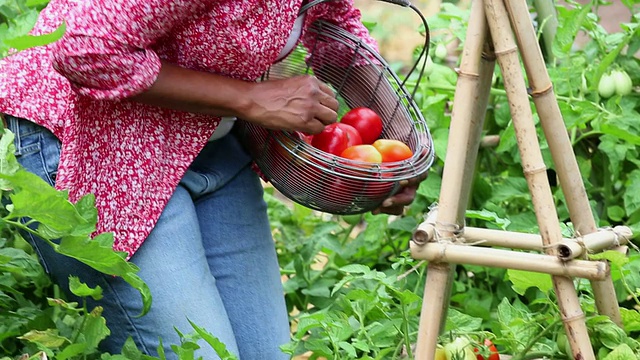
37,149
195,182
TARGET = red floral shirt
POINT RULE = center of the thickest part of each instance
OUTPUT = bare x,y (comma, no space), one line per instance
132,156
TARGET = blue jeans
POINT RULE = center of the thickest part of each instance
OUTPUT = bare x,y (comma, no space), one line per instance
210,259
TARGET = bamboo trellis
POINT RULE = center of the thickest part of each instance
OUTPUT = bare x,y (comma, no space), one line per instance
502,30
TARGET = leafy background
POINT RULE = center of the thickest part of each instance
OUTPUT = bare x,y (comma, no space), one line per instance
351,286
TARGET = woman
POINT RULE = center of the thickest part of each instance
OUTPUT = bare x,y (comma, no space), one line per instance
135,104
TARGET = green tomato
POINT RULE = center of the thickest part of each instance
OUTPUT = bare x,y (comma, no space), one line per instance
607,86
440,52
352,219
441,354
428,66
460,349
563,343
622,82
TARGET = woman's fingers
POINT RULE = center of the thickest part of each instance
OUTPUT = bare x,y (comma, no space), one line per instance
395,204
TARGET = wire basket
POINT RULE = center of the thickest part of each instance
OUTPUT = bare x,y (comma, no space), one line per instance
360,77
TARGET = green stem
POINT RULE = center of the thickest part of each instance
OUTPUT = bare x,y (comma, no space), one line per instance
26,228
547,12
84,320
586,135
347,234
522,355
628,288
405,332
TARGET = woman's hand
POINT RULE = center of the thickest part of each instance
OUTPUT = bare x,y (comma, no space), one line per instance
301,103
395,204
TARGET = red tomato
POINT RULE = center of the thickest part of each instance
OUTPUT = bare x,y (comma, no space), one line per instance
366,121
333,139
392,150
353,135
489,348
363,152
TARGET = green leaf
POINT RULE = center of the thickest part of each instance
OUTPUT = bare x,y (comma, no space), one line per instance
319,291
630,319
406,224
461,322
94,328
71,351
35,3
47,338
351,351
523,280
30,41
217,345
489,216
8,163
621,352
516,323
430,187
16,261
355,269
36,199
616,258
98,253
615,213
619,129
631,197
82,290
566,34
510,188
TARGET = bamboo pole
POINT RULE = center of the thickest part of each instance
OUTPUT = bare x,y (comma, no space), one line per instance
509,259
568,248
551,119
561,149
535,172
469,109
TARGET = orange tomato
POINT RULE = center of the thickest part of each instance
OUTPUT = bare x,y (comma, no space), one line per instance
392,150
365,153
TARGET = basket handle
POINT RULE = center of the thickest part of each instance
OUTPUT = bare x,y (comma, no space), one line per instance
425,49
308,4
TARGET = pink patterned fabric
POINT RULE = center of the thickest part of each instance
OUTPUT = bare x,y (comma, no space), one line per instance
132,156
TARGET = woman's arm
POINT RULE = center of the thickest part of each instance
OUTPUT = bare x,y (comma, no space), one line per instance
302,103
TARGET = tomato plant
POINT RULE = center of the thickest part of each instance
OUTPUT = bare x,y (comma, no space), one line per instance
366,121
392,150
487,352
362,152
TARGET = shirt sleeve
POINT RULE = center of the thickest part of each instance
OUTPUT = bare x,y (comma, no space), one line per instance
344,14
106,51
